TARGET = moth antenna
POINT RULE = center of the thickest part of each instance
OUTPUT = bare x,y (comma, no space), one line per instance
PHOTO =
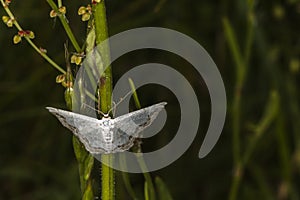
99,111
120,101
114,109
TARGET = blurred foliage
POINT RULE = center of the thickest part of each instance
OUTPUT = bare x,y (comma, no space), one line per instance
36,155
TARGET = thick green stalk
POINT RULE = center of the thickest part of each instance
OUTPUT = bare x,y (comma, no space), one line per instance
105,94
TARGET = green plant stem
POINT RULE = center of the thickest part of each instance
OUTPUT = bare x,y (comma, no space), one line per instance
148,182
235,51
128,185
240,76
105,94
270,114
241,66
85,166
32,44
295,113
59,3
135,96
284,156
260,179
66,26
281,129
149,186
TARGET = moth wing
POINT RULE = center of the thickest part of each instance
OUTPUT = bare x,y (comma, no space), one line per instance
133,123
87,129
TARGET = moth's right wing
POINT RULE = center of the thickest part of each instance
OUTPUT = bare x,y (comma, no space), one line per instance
134,122
87,129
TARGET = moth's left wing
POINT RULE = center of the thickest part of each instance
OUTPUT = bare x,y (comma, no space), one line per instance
133,123
87,129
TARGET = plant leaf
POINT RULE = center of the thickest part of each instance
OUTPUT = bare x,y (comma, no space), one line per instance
162,189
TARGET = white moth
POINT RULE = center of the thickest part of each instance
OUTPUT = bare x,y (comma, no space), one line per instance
106,135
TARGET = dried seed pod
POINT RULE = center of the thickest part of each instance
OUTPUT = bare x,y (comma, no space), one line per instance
60,78
81,10
53,14
62,10
85,12
85,17
95,1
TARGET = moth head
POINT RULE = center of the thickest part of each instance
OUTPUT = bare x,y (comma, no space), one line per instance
105,115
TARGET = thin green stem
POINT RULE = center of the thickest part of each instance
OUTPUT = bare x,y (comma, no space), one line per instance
135,96
50,61
284,156
241,65
149,186
236,181
128,185
59,3
66,26
260,179
240,76
236,115
32,44
249,37
270,114
236,52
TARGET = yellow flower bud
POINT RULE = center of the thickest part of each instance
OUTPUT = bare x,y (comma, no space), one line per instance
76,59
31,35
10,23
60,78
17,39
5,19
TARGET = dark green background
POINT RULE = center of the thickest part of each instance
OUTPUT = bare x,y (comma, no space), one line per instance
36,155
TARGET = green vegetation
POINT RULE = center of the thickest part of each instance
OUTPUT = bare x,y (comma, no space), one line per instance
254,43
